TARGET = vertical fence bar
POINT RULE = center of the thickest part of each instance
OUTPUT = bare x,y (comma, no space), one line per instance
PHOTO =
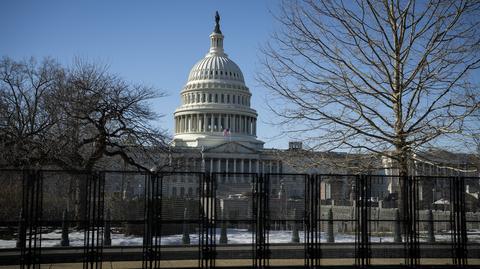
362,219
207,210
261,220
410,221
312,227
31,231
152,221
458,221
93,220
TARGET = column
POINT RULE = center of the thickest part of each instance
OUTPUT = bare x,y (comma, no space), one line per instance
220,126
192,123
204,123
249,165
241,124
219,166
234,169
185,124
211,123
226,165
245,119
180,118
242,166
211,165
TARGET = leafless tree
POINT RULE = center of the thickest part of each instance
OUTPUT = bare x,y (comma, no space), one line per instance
105,116
26,109
381,76
77,118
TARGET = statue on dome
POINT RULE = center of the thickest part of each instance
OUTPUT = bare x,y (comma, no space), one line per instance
217,23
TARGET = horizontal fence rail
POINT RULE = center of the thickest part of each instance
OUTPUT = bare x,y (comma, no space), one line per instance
209,220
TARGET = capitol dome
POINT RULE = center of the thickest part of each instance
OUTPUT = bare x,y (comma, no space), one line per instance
215,105
215,66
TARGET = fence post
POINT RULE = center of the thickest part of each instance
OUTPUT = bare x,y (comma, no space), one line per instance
295,236
65,240
397,236
330,235
186,232
223,232
430,230
21,231
107,238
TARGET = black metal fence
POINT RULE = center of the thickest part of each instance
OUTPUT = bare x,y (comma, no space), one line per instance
254,220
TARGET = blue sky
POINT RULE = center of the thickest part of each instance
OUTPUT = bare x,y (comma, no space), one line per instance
150,42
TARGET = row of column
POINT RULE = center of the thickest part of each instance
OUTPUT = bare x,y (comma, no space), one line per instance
214,122
231,165
201,98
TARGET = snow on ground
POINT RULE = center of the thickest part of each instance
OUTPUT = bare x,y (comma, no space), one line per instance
235,236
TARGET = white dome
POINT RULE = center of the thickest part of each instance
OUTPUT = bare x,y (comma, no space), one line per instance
216,67
215,105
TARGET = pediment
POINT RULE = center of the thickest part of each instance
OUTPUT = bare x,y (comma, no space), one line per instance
231,147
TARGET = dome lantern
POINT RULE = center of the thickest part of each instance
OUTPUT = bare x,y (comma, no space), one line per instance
216,39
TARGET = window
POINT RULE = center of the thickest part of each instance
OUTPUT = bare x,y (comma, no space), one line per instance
233,99
228,98
203,98
210,98
216,98
223,99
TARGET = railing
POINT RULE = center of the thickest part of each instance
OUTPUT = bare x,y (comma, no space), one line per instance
211,220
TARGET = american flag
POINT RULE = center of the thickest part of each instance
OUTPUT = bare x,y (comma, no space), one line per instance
226,132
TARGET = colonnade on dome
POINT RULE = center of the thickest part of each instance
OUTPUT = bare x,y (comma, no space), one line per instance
216,122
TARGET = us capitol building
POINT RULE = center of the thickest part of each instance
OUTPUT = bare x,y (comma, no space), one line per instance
215,127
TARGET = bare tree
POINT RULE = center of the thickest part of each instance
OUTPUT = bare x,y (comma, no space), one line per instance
382,76
105,116
77,118
26,111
